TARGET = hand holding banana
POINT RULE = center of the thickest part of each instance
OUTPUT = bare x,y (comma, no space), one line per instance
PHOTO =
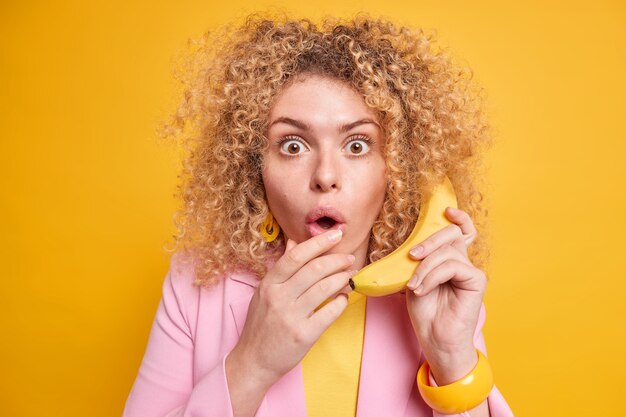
444,311
446,294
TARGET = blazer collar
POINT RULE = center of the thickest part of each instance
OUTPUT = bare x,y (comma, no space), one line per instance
390,360
247,278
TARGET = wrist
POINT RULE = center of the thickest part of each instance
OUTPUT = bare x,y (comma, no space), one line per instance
243,369
449,368
454,397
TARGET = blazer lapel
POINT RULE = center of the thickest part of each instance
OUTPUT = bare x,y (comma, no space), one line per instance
390,358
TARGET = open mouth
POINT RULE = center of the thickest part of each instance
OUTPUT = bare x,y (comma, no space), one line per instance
326,222
323,218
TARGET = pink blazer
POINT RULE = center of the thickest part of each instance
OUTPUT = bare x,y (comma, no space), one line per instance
182,372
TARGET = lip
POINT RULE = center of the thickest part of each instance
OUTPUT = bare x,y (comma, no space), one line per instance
326,210
315,229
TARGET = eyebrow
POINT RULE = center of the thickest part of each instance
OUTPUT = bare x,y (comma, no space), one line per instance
302,125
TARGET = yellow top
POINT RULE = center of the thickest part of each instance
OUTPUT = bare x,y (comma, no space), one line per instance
332,367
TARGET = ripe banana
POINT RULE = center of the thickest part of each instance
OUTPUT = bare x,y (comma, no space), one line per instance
391,273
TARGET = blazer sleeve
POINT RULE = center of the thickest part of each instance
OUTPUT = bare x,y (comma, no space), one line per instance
164,385
498,406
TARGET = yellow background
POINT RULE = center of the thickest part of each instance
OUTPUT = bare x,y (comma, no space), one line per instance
87,191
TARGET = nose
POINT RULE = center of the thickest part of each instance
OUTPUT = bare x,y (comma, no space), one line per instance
326,173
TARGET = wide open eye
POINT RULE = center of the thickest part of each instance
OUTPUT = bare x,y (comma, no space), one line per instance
359,146
291,146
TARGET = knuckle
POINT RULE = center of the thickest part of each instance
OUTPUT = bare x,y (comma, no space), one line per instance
299,336
333,308
321,241
449,263
453,252
292,257
337,306
340,280
323,286
318,265
450,250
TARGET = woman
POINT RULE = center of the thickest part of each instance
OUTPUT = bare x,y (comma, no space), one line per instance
309,151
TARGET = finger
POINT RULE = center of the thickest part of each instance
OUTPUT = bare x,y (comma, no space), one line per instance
446,235
322,291
316,270
439,256
461,275
292,260
290,244
321,320
461,246
464,221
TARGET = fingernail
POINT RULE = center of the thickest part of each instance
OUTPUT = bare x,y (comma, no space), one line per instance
335,235
351,258
419,289
417,251
412,282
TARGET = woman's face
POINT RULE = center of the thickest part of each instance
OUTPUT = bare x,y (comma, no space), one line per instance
326,151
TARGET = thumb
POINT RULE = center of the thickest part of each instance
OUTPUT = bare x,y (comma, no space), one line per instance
290,244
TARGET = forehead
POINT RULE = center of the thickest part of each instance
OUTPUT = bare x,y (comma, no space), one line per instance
318,98
315,82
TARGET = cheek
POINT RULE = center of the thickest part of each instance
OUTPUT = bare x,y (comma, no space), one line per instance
276,175
368,195
280,191
372,183
376,196
277,184
271,179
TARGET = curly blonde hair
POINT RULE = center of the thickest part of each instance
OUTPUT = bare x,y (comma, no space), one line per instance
432,118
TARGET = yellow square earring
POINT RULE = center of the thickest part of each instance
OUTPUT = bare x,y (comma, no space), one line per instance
270,228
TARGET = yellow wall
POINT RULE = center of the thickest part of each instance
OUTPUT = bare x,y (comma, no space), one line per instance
86,202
